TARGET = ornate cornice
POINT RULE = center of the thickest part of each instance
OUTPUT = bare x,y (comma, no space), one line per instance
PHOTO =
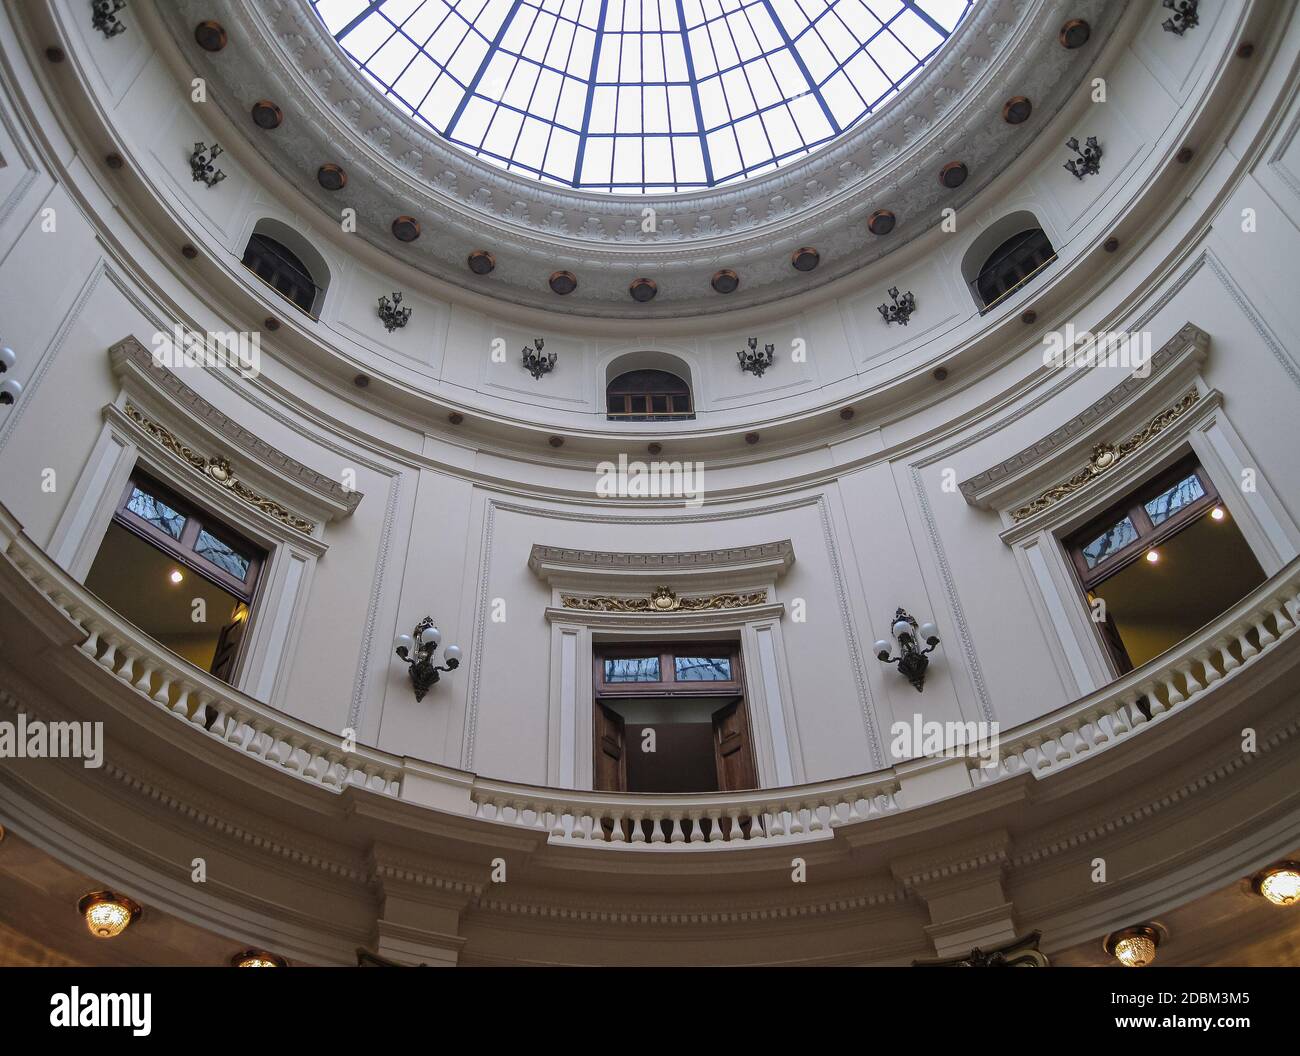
774,558
217,470
665,599
1105,456
400,166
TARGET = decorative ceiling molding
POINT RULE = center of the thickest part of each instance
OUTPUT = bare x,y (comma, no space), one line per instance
325,497
765,561
1174,361
1106,456
333,114
665,599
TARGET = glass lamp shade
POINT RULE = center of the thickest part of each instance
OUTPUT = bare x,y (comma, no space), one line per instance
882,649
7,357
107,915
929,633
1282,886
452,652
404,641
430,636
1135,951
902,627
10,390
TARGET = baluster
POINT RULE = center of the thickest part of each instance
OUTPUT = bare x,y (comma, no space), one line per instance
1189,679
616,834
638,834
146,677
557,827
182,705
1227,660
1265,636
1172,693
696,825
1247,649
91,645
657,829
127,671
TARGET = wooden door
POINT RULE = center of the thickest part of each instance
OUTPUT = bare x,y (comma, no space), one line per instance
228,642
733,747
609,770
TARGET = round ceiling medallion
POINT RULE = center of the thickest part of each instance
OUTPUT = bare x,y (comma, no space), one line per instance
211,36
406,229
481,262
643,290
563,282
266,114
331,177
1075,33
805,259
725,281
953,174
881,222
1016,110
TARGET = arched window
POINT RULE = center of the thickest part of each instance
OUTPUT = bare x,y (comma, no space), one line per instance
648,396
1012,264
277,266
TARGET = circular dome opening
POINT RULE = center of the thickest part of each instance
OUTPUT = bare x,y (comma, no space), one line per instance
640,96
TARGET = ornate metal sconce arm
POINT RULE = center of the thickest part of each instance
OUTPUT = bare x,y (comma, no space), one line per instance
417,650
912,660
535,361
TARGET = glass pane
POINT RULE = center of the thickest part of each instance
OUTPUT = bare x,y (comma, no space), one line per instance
1109,542
1167,503
632,669
221,555
702,668
156,512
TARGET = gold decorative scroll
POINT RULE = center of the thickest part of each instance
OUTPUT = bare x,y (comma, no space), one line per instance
217,469
665,599
1106,456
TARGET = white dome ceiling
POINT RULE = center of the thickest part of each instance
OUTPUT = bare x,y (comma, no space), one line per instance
640,96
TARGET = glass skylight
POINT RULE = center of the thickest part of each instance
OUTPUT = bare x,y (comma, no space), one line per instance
640,96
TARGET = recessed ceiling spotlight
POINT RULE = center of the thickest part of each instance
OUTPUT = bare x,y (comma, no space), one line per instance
256,959
881,222
654,449
1185,155
1246,51
189,252
1016,110
54,54
643,290
940,373
107,915
751,438
1029,317
563,282
175,575
1111,244
1133,947
1075,34
211,36
114,161
271,323
805,259
481,262
1153,556
1279,883
332,177
406,229
1217,513
846,413
725,281
556,441
455,417
361,381
953,175
266,114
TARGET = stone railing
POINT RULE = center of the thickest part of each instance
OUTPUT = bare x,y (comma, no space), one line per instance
801,813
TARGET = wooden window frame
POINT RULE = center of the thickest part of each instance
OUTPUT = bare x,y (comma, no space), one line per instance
1149,535
639,405
182,549
670,686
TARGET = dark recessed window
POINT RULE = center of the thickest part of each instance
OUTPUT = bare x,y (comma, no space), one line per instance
281,269
1012,265
648,396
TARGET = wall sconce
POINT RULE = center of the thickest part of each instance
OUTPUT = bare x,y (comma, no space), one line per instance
1088,163
902,308
108,915
1134,947
911,660
1280,883
424,641
391,314
1186,15
103,17
752,361
10,388
535,362
257,959
201,164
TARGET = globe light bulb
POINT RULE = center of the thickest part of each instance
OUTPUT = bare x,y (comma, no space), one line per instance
404,642
882,649
430,636
452,652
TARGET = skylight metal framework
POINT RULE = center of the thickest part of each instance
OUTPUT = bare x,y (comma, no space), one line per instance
640,96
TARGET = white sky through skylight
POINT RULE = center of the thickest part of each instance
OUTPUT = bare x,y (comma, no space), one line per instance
640,96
